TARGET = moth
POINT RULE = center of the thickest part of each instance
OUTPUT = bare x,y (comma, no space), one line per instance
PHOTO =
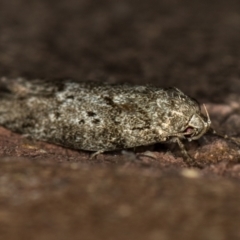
100,117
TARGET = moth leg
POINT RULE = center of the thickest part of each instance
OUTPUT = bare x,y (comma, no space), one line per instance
93,155
187,158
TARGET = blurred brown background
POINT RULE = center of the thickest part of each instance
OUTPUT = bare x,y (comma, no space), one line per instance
48,192
169,43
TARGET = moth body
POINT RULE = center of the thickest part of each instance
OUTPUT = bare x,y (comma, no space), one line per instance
98,117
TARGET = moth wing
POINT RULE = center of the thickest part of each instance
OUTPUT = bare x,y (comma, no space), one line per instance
22,87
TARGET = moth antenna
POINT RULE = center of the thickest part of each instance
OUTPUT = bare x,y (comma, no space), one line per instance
208,117
224,136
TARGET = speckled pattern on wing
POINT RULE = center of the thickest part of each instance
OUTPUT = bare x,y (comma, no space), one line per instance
98,117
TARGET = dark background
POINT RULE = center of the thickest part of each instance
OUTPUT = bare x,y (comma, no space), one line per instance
48,192
193,45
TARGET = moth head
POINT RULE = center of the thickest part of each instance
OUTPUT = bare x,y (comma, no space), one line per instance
197,126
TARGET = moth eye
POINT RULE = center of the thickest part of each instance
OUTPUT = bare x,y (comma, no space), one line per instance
189,130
